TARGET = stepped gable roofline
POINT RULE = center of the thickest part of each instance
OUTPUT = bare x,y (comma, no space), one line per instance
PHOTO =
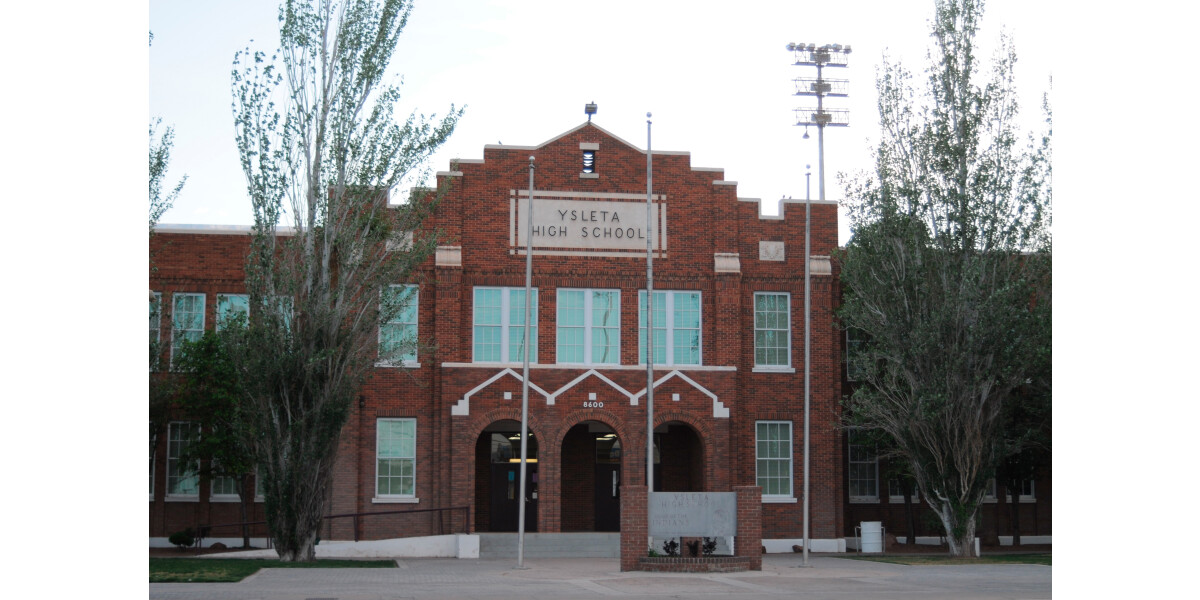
780,206
573,130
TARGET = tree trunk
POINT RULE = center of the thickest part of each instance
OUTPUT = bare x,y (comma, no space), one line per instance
909,514
960,529
244,494
1016,515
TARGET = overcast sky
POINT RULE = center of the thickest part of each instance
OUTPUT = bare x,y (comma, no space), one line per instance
716,76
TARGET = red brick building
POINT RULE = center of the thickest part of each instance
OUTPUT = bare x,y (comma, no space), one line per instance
443,432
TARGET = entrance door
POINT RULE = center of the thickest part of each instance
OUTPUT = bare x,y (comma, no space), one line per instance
506,490
608,497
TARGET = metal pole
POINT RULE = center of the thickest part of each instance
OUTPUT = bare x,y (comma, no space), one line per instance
808,301
525,374
650,225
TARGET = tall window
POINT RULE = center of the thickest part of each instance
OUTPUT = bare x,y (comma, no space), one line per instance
187,321
863,481
676,328
230,306
589,326
398,337
224,488
153,445
854,343
155,329
773,443
182,479
396,457
772,330
500,325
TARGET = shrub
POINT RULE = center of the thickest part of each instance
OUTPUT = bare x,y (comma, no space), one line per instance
710,546
183,539
671,547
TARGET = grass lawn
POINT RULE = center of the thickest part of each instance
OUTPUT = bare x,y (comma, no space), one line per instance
206,570
986,559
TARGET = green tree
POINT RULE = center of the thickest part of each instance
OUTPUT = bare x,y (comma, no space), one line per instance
208,394
323,162
948,270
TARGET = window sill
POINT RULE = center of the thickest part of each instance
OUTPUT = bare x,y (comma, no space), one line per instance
589,176
404,365
224,498
178,498
394,500
773,370
900,499
1021,500
778,500
864,500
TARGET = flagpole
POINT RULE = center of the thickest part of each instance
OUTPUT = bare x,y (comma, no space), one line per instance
650,225
525,374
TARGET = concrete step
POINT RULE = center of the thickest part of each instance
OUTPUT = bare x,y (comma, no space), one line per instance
551,545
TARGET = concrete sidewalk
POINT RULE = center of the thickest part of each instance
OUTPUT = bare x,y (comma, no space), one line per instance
828,578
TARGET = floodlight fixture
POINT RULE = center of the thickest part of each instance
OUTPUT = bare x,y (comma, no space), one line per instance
589,109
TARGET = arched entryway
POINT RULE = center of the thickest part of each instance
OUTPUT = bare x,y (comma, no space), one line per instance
591,478
497,478
678,458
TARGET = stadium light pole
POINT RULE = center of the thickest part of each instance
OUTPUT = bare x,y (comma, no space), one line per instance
833,55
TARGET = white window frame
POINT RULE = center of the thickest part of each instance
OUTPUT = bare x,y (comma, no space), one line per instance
850,462
156,328
394,498
153,452
787,364
179,331
990,497
899,497
407,360
669,327
506,327
212,487
226,306
852,374
790,495
173,441
588,326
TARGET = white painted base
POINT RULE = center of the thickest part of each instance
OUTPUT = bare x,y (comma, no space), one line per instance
258,542
438,546
1005,540
784,545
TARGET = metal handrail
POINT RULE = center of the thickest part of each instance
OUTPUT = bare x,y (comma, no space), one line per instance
205,530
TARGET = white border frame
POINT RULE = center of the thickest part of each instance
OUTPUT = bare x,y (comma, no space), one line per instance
378,498
769,498
587,325
754,327
670,328
505,325
407,363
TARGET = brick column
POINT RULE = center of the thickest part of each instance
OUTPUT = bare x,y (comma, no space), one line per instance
748,542
635,525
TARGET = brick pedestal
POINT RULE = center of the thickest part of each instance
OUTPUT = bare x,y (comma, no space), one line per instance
635,526
748,542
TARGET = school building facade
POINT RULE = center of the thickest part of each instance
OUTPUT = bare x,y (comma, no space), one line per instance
442,431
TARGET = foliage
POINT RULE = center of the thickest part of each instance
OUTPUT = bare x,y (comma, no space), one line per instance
324,163
183,539
671,547
160,160
948,270
209,389
710,546
210,570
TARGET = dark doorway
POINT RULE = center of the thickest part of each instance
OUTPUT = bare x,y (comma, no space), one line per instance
678,459
591,478
497,479
506,494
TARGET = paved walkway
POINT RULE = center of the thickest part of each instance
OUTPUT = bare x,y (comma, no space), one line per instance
827,579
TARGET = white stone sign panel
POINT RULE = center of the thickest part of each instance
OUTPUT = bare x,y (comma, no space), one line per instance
601,222
693,514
